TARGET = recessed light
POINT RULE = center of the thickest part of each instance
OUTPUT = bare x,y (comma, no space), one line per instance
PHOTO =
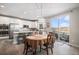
24,12
2,6
37,16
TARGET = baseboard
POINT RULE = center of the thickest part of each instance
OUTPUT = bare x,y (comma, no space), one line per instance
74,45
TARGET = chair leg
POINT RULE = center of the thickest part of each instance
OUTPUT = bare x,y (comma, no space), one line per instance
33,51
47,50
24,50
53,45
51,50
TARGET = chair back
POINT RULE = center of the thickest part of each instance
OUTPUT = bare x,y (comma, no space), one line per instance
24,38
35,33
50,38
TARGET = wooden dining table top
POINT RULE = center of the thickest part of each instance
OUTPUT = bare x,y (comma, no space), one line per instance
37,37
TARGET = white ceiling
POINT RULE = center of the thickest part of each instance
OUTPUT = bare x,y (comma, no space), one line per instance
33,10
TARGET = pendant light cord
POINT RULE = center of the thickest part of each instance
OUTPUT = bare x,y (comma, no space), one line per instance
41,9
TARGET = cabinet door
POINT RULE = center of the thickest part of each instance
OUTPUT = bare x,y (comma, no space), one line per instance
40,26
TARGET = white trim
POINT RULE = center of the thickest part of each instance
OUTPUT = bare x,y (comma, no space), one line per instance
74,45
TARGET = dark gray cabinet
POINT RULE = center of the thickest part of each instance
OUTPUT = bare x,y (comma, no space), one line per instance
4,30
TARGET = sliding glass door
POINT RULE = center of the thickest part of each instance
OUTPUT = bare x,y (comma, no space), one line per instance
61,26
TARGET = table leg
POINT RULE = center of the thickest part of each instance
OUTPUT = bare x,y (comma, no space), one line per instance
34,51
34,46
40,46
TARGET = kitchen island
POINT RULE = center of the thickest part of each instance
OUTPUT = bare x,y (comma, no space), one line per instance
19,34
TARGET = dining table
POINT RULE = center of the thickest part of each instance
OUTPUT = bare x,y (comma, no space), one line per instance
36,40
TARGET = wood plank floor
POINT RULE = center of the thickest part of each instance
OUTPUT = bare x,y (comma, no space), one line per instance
60,48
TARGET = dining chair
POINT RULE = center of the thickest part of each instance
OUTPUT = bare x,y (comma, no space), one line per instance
53,38
26,45
35,33
20,35
49,43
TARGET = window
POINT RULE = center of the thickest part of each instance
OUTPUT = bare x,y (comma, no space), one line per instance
61,26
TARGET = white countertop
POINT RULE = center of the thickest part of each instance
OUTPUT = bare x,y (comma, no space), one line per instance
4,37
23,32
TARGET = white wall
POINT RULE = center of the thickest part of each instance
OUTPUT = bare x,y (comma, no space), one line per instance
74,26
